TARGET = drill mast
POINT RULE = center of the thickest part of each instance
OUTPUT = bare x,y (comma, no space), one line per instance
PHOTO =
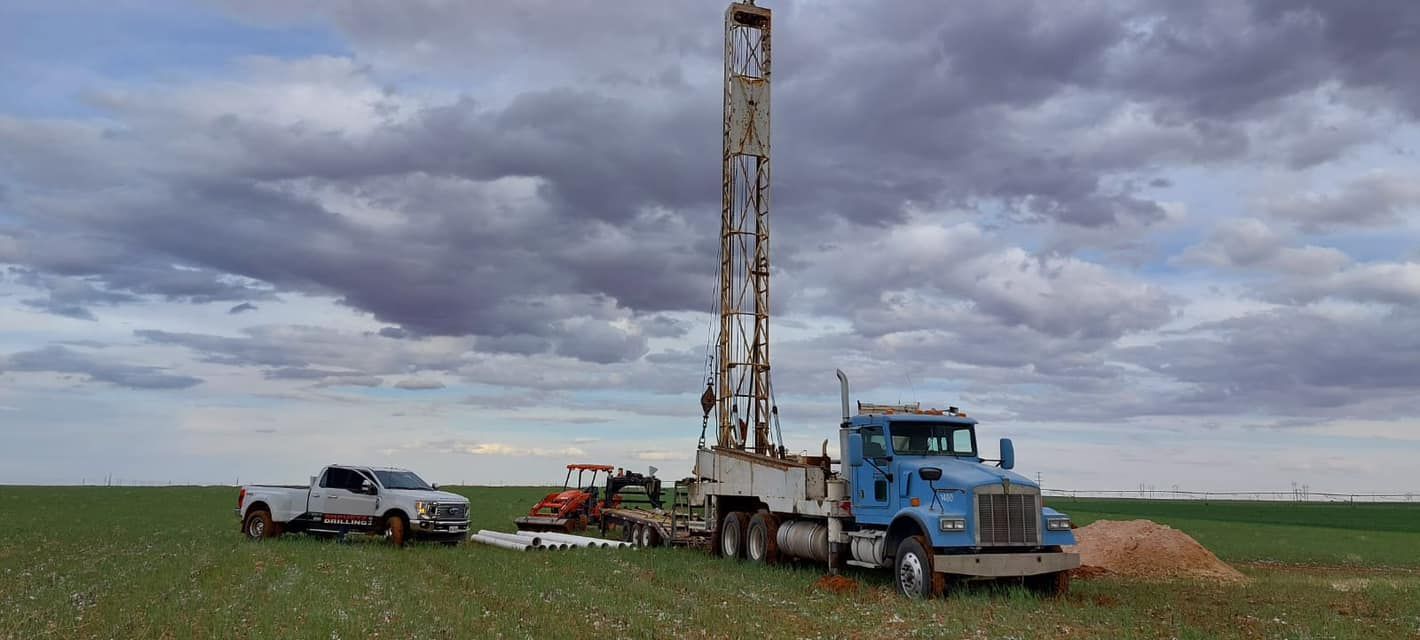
743,394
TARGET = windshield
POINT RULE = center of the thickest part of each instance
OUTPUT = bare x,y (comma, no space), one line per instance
933,439
402,480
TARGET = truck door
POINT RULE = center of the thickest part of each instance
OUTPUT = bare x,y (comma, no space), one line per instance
342,503
870,483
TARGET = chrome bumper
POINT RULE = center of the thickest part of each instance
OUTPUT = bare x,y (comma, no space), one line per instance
1001,565
441,526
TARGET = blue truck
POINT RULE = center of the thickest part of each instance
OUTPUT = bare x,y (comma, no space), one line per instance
911,493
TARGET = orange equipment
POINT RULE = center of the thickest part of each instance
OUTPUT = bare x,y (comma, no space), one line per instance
570,509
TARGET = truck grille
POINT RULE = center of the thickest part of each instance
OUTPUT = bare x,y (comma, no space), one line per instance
451,512
1008,519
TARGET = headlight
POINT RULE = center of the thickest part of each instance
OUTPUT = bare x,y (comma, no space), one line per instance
952,524
1058,524
426,509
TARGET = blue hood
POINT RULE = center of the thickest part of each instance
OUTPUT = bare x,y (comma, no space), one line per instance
960,473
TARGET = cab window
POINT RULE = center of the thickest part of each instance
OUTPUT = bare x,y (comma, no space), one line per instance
874,444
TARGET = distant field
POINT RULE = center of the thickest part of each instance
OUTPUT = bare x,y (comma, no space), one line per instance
1287,532
169,563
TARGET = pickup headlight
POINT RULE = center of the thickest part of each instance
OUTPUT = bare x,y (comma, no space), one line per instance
426,509
952,524
1058,524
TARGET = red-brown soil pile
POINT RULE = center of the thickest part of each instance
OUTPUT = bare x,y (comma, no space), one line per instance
1147,549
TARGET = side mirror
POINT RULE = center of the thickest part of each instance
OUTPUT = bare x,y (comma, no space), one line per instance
930,474
1008,454
368,488
855,450
434,486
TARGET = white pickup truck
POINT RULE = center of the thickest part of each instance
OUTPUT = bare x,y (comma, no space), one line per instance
386,501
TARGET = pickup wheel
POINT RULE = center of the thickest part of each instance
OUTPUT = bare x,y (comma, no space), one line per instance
914,575
258,525
396,531
732,534
762,540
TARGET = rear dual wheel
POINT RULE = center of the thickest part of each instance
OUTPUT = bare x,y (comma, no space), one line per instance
259,526
762,538
732,534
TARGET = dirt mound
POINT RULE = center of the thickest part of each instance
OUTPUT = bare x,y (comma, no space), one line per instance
1147,549
837,584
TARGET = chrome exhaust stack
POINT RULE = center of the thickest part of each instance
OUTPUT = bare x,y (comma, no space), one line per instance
843,388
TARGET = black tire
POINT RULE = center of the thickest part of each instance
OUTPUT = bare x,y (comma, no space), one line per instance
638,535
396,530
258,525
1050,585
912,570
762,539
627,535
650,537
732,534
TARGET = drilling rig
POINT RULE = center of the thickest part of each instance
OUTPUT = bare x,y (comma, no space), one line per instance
743,399
912,492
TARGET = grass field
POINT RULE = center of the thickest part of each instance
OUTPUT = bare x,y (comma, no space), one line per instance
169,563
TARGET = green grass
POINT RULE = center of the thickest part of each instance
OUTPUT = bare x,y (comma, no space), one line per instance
1285,532
169,563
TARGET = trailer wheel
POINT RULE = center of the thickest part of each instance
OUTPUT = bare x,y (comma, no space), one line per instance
914,575
258,525
762,540
638,534
650,537
627,535
395,531
732,534
1051,585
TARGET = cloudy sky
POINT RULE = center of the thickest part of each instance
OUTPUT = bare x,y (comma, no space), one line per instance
1153,242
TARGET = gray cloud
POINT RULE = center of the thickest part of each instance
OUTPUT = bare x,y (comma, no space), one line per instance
551,190
242,308
418,384
57,359
1374,200
1288,362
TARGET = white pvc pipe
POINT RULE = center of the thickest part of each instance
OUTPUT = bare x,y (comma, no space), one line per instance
580,540
500,542
530,540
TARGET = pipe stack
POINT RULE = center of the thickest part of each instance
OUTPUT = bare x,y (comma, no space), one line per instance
529,541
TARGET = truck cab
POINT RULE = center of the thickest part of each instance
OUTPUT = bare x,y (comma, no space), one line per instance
918,474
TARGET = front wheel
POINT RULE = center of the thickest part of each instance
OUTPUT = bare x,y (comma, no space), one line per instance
258,525
396,531
914,575
1051,585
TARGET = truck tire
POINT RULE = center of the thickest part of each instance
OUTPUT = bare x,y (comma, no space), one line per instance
1051,585
732,534
396,530
913,570
638,535
762,539
258,525
650,537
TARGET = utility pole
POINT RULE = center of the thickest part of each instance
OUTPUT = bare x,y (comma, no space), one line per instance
743,394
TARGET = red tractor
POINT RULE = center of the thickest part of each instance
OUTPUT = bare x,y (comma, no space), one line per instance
580,504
